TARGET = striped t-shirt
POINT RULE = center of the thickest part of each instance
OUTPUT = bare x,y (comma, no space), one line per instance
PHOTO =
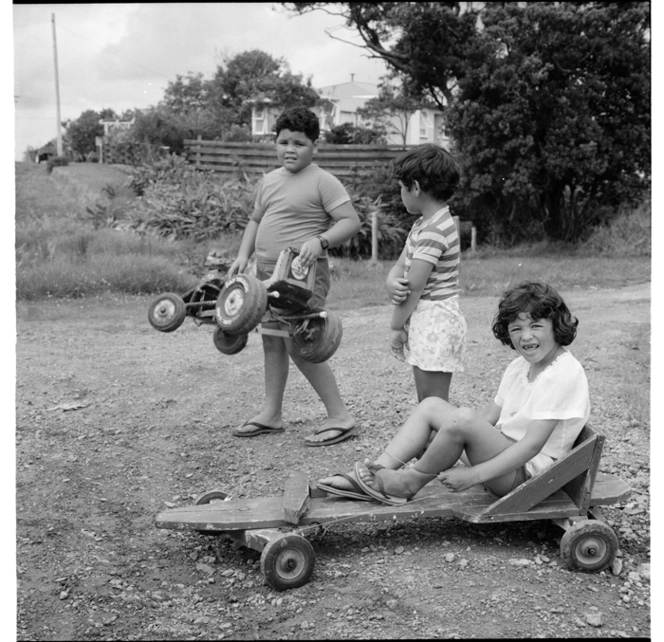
436,241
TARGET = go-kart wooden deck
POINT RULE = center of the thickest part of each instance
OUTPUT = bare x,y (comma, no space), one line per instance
473,505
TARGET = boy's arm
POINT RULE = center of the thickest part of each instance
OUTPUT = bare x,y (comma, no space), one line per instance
346,225
418,274
246,248
396,284
417,277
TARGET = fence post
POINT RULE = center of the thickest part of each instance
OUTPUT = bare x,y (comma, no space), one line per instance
473,239
199,138
374,236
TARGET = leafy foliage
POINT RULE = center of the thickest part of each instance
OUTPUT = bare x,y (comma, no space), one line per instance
349,134
555,125
180,202
83,131
548,103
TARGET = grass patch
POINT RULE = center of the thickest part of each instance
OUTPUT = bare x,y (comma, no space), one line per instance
60,253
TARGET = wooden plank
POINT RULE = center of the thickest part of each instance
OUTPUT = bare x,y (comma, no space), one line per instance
296,498
580,488
552,479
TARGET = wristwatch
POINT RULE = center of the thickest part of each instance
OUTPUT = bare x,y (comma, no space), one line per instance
324,243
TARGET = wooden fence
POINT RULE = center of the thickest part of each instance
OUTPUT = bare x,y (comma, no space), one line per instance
256,158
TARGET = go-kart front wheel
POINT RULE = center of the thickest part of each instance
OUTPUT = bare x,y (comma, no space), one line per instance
288,562
229,343
316,340
167,312
241,304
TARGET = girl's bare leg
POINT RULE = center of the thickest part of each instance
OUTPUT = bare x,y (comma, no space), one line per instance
432,383
409,441
459,431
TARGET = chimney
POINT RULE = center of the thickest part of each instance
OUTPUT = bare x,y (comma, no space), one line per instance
352,77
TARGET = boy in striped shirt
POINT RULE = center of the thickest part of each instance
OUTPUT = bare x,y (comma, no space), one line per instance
428,330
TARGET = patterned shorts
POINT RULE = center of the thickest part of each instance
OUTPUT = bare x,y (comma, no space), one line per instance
437,336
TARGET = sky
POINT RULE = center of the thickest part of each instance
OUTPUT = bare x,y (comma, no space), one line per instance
123,56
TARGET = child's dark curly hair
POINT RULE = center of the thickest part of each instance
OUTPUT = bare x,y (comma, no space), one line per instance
299,119
433,167
540,301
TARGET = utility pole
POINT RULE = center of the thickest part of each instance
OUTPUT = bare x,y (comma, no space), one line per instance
57,89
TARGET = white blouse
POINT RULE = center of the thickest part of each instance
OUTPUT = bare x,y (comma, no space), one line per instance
558,392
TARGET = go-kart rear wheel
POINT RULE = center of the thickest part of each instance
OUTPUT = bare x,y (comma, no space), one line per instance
589,545
207,498
316,340
167,312
241,304
229,343
288,562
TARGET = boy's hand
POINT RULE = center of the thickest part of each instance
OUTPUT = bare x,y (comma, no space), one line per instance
398,340
310,251
458,478
397,290
236,267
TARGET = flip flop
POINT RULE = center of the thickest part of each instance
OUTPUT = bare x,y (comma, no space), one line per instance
259,430
341,492
380,495
345,434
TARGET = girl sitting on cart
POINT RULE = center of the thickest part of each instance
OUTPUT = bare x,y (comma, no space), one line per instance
540,408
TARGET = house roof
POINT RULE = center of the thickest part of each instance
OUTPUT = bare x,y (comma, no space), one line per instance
357,90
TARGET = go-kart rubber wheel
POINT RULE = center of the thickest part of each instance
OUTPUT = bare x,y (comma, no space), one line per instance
288,562
229,343
316,340
206,498
589,545
241,304
167,312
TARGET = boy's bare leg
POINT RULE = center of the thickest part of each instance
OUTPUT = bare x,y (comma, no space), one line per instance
432,383
461,430
322,380
409,441
276,376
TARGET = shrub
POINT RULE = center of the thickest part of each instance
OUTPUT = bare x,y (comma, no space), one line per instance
349,134
629,234
180,202
391,234
56,161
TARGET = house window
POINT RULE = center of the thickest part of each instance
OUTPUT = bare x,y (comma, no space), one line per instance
260,120
425,124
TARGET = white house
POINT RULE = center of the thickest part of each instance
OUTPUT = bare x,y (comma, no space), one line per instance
426,125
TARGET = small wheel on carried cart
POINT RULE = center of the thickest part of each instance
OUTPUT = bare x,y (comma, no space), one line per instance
167,312
316,340
207,498
241,304
229,343
288,562
589,545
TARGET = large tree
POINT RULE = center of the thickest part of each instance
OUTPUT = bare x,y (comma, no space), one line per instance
83,131
548,103
255,75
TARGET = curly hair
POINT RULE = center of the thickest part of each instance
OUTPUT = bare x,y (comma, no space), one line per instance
540,301
433,167
299,119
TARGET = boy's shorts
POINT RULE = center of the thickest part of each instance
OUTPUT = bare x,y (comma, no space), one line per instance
264,270
437,336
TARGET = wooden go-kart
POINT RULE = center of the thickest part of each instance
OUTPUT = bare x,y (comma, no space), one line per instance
243,303
569,493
